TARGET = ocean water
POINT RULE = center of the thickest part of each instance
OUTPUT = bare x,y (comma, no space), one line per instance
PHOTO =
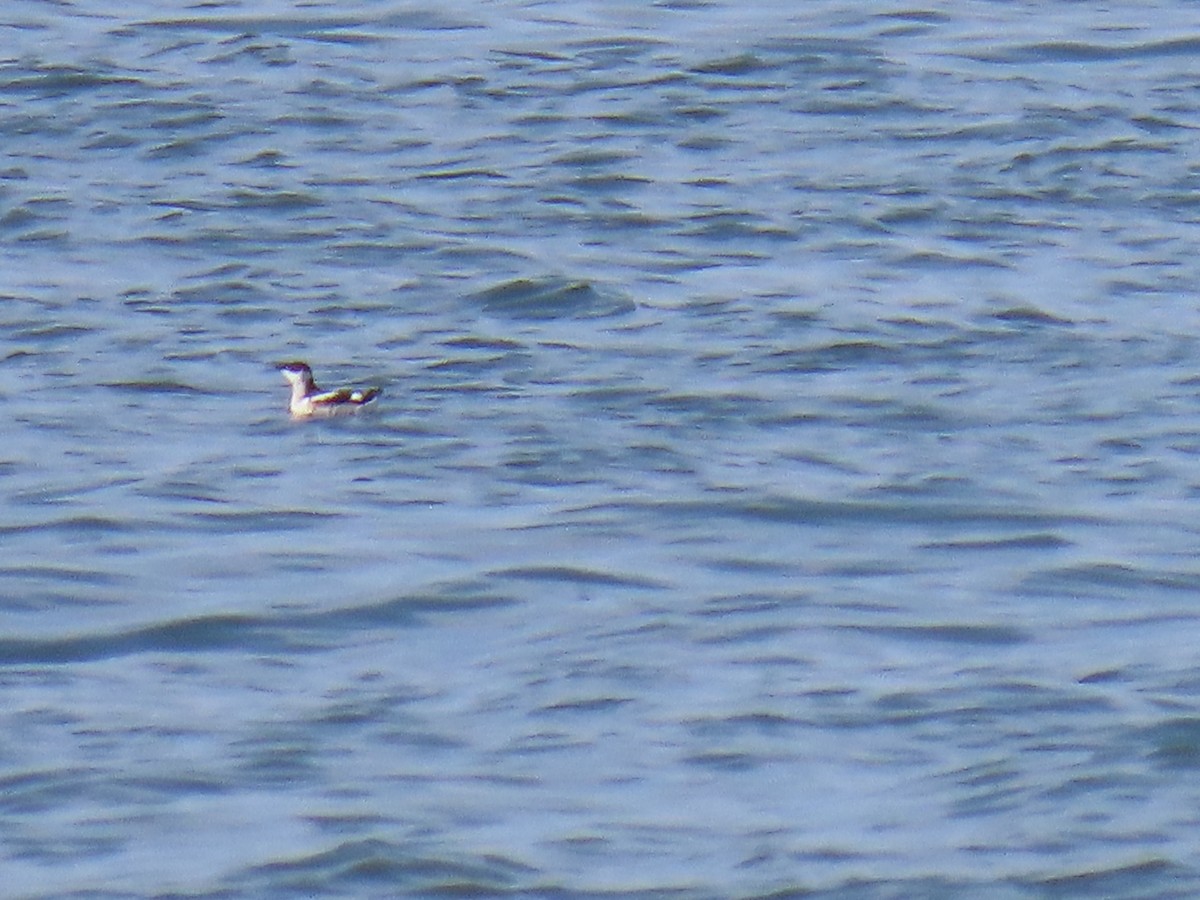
785,480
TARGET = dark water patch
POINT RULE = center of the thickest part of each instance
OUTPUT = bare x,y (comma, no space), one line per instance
45,236
1084,52
573,575
1106,579
741,64
531,463
460,174
185,204
221,292
1002,696
1156,878
799,511
475,366
111,141
1159,123
73,527
593,158
276,760
273,200
320,121
584,705
1120,446
481,254
184,117
51,334
1128,287
541,741
266,54
725,760
1175,743
834,356
478,342
923,418
257,521
607,183
868,568
187,147
1091,786
188,491
187,636
239,26
62,574
766,723
755,603
910,212
1034,541
373,710
267,159
375,864
20,218
54,81
43,790
724,225
368,253
703,143
940,260
347,825
993,789
157,387
905,706
316,27
799,320
1106,676
984,635
617,51
914,15
731,635
170,788
551,298
708,408
406,609
535,57
282,632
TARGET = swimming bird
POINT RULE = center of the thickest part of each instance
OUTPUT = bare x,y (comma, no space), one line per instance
309,400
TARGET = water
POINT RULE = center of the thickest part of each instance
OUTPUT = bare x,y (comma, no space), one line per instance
784,480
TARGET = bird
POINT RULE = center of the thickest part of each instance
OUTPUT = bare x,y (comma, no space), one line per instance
309,400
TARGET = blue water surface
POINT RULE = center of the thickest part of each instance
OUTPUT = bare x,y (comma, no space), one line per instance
784,482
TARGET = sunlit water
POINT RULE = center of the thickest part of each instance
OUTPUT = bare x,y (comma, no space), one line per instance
784,482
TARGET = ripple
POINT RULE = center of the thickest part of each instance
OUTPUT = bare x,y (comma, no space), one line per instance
1085,52
999,635
52,81
1101,579
813,512
1034,541
378,864
1175,743
551,299
578,576
282,632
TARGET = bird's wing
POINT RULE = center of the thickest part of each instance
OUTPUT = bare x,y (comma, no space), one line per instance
344,395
